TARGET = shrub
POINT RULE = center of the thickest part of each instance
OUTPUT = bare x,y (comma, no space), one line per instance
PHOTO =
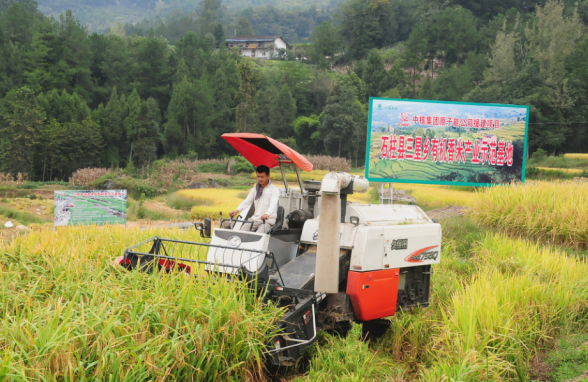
532,172
147,191
28,186
242,165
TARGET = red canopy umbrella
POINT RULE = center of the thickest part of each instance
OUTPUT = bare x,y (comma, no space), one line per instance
261,150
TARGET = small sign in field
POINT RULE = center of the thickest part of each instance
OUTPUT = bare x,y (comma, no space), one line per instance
90,207
434,142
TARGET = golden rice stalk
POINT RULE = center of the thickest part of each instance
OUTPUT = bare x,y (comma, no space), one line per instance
566,170
552,211
577,156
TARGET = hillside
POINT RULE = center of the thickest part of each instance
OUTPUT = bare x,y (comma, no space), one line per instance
99,15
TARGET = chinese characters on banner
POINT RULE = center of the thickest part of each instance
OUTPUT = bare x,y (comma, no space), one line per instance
438,142
447,150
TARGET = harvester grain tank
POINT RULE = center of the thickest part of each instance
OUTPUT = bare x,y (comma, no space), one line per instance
328,260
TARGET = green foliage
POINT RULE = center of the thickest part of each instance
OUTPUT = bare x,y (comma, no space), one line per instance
242,165
307,135
250,78
569,360
343,123
145,191
216,168
28,186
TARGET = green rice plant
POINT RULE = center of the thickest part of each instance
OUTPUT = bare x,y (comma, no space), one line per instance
349,359
67,314
551,211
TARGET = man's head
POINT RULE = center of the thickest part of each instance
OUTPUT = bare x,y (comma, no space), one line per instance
262,175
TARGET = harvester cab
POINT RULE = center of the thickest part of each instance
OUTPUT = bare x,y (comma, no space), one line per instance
328,260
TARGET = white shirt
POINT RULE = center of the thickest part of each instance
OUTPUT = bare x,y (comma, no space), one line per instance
266,204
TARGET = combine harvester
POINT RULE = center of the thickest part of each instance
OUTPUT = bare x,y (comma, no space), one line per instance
329,261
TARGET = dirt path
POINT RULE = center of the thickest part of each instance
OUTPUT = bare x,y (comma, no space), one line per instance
446,212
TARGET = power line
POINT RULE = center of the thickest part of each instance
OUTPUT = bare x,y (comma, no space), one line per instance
555,123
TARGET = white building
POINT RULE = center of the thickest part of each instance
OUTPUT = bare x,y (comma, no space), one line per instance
266,47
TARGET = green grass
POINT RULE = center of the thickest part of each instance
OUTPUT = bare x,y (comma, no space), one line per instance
569,359
216,168
24,218
180,202
559,161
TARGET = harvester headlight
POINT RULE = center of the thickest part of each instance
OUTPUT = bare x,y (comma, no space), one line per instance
354,220
234,241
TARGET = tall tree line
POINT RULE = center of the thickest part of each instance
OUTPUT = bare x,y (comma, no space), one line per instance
69,99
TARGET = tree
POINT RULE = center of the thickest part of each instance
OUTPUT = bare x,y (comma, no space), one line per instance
552,39
374,74
148,134
342,121
307,135
325,44
244,27
415,53
249,79
112,130
75,53
20,131
366,24
282,114
502,68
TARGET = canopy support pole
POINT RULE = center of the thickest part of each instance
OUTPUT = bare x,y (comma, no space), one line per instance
284,175
299,180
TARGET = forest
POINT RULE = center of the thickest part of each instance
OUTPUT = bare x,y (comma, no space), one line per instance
166,89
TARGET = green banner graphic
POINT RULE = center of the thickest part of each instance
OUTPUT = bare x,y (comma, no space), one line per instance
90,207
452,143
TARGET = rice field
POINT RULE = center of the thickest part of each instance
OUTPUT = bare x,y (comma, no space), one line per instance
68,314
577,156
516,300
212,201
503,292
555,212
566,170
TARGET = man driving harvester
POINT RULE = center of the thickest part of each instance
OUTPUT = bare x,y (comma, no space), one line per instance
264,196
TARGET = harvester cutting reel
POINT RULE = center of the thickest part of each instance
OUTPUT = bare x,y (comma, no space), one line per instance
256,269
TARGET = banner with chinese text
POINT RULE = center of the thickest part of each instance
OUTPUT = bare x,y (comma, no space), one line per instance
90,207
437,142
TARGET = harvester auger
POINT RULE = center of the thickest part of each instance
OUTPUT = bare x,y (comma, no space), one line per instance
329,261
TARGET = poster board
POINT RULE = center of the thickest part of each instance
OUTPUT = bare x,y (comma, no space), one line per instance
75,207
449,143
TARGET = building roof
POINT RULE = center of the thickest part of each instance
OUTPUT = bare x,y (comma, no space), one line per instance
257,38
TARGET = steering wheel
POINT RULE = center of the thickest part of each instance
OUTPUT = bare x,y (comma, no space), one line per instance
233,221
